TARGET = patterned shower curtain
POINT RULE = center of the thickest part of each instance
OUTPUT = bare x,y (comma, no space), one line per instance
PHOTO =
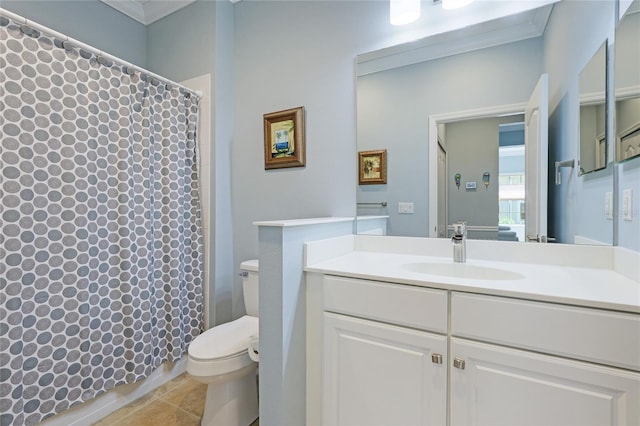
101,245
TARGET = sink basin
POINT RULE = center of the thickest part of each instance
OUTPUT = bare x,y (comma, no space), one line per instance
462,270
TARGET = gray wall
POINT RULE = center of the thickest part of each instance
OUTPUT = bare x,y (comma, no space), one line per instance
472,149
394,107
91,22
627,114
627,73
191,42
290,54
575,31
592,127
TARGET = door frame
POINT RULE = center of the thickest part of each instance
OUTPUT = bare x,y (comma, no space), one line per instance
442,146
434,120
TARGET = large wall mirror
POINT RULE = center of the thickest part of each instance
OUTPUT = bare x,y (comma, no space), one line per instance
462,108
593,116
627,84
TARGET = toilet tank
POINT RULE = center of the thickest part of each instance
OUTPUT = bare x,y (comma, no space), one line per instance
249,271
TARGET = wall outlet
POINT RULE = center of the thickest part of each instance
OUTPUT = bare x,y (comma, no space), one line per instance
627,204
405,208
608,205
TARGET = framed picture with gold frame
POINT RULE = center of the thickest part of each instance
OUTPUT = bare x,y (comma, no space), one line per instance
372,167
284,144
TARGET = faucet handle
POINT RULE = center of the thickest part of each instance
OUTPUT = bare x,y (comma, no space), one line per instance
460,229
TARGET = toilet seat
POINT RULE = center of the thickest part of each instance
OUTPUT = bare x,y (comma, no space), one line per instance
222,349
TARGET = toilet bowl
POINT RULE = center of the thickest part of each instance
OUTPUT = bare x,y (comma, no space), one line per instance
219,357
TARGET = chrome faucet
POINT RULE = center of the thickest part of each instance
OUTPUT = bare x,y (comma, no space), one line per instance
459,241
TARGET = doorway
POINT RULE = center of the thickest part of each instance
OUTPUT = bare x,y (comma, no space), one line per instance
511,182
470,175
535,133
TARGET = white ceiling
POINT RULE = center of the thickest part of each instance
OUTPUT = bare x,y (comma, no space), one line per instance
147,11
433,16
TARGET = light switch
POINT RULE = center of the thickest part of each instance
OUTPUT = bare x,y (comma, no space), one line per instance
608,205
405,208
627,204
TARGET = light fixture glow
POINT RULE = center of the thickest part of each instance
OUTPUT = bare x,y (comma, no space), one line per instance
403,11
455,4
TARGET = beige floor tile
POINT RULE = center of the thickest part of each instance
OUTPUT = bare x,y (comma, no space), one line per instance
160,413
123,412
179,402
188,395
170,385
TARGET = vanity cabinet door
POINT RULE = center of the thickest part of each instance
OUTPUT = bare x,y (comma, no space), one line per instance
493,385
381,374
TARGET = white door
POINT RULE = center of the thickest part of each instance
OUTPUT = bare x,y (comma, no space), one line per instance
500,386
536,116
380,374
442,191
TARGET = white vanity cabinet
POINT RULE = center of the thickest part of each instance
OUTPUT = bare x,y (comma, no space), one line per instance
510,361
380,366
498,379
494,385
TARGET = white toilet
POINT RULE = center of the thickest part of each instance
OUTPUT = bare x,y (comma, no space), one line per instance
220,358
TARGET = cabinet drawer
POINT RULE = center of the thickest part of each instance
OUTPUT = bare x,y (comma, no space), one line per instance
594,335
416,307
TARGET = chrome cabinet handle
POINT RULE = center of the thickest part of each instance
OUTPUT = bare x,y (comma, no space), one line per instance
436,358
458,363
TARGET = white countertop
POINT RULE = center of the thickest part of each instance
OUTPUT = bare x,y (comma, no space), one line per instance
286,223
581,286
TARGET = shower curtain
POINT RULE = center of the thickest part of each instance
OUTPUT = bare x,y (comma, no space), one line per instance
101,244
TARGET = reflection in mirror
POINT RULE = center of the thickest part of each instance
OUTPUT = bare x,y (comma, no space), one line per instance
593,140
488,156
408,93
394,107
627,84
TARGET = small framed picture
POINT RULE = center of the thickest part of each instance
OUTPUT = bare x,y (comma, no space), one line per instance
372,167
284,139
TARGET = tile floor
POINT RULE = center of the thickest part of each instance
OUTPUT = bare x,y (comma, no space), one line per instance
179,402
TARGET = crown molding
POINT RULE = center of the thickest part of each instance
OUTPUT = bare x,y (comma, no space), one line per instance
507,29
147,11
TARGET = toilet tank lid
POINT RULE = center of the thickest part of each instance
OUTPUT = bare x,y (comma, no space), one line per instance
250,265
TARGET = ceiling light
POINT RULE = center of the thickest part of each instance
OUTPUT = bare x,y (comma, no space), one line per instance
404,11
454,4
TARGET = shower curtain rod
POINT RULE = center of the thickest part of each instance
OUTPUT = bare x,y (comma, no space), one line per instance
76,43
